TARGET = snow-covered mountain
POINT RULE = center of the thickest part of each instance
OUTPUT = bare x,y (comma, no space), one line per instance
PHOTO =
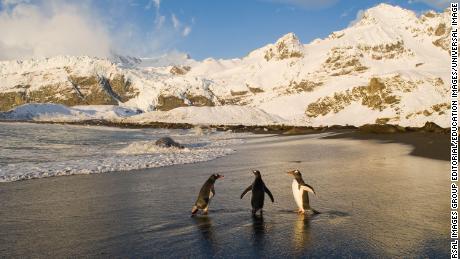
388,67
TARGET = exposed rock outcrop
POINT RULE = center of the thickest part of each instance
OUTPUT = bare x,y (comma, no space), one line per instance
77,90
286,47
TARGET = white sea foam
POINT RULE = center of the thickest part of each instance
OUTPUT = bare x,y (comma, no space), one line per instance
149,147
131,155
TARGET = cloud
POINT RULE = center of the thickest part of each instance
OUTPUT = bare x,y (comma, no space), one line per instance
56,28
159,19
49,28
306,4
151,41
186,31
157,3
161,38
175,21
7,3
438,4
182,28
359,16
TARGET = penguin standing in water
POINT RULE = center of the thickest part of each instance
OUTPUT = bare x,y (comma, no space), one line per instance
300,191
258,189
205,195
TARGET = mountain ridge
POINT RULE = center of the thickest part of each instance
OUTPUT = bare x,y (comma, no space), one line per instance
388,67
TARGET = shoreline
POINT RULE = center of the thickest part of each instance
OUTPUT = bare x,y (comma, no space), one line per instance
378,129
424,143
148,211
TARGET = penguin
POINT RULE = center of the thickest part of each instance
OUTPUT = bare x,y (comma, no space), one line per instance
258,189
206,193
300,191
168,142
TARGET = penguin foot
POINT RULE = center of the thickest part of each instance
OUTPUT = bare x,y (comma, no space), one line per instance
315,211
194,210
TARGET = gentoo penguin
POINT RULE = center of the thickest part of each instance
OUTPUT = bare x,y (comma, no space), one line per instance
206,194
167,142
300,191
258,189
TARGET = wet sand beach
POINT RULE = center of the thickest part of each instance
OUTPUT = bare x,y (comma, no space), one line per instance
428,145
381,197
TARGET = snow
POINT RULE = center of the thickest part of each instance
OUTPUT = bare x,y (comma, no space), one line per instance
107,111
362,115
58,112
217,79
218,115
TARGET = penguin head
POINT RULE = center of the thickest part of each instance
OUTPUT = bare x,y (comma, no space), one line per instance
296,173
216,176
256,173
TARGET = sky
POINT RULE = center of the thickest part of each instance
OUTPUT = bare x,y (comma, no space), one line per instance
151,28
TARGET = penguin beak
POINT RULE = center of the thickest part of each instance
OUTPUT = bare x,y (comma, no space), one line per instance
220,176
290,172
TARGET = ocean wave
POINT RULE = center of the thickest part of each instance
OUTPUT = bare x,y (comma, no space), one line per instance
134,156
149,147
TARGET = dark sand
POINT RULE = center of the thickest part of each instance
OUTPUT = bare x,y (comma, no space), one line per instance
428,145
378,198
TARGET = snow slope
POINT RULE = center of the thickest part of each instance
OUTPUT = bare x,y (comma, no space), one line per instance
223,115
58,112
218,115
388,67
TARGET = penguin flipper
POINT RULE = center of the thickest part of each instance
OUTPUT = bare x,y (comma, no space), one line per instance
245,191
308,188
269,193
213,191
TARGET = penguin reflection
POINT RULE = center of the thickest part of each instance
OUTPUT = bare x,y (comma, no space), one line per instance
208,243
205,227
259,230
301,235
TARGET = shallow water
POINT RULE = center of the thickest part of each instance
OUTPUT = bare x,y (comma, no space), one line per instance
375,199
42,150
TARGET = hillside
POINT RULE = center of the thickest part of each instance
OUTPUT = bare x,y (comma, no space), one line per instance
389,67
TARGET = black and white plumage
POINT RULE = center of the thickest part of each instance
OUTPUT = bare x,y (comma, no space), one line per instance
300,191
258,189
207,192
